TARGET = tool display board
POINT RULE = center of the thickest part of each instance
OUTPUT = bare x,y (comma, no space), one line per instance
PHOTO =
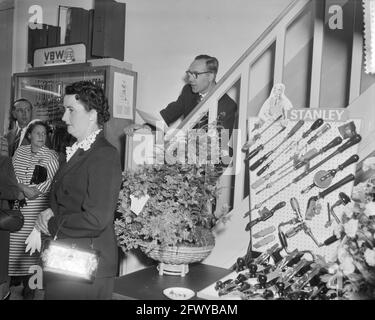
317,224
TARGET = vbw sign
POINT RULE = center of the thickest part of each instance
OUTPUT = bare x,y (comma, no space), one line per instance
61,55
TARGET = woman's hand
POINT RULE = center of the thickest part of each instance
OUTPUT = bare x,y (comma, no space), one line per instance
42,221
30,192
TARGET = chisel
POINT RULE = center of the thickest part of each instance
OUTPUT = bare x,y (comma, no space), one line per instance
290,134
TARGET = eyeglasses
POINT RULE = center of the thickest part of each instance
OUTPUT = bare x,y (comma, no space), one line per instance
195,74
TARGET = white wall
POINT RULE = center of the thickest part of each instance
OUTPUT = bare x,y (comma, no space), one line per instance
163,36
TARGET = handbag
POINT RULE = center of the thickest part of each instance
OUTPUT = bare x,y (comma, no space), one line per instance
39,175
11,219
68,260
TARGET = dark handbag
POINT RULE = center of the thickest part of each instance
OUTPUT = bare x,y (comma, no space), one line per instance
39,175
11,220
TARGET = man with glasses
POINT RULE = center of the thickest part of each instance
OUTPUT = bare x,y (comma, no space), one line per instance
201,79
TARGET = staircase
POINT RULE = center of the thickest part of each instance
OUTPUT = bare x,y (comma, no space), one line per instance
321,65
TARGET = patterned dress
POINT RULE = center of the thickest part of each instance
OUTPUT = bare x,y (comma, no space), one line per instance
24,162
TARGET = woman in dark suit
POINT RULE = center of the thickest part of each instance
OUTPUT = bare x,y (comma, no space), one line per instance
8,191
84,194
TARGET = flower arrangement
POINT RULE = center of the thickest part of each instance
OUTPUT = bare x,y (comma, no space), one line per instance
178,200
351,270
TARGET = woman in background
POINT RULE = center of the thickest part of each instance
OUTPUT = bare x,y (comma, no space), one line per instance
35,166
84,194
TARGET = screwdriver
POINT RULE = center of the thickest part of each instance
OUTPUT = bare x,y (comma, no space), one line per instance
317,123
291,133
253,153
258,135
313,127
262,170
321,131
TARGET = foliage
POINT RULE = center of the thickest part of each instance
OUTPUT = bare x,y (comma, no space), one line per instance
352,267
179,208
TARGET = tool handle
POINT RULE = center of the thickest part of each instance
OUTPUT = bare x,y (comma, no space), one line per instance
259,182
252,224
330,240
295,206
262,170
354,158
309,155
298,125
317,123
292,232
335,186
322,130
253,153
335,142
278,206
260,161
351,142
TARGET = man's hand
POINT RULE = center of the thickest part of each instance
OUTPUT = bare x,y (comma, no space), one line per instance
129,130
41,223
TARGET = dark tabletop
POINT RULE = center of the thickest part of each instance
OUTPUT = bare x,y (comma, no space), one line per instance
147,284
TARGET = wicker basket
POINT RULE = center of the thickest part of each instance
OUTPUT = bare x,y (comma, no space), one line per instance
179,254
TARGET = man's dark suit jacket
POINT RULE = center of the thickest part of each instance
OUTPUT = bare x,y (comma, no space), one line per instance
8,191
84,196
188,100
11,136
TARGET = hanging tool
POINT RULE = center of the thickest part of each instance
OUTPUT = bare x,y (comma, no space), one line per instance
344,199
323,179
250,142
317,123
264,215
311,155
329,220
319,133
311,203
264,232
291,133
302,162
253,153
308,156
352,141
258,135
302,226
331,173
262,170
313,127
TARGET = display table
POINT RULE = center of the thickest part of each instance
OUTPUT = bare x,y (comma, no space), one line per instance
147,284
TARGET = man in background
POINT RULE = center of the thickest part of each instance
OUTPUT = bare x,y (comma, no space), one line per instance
201,79
21,113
